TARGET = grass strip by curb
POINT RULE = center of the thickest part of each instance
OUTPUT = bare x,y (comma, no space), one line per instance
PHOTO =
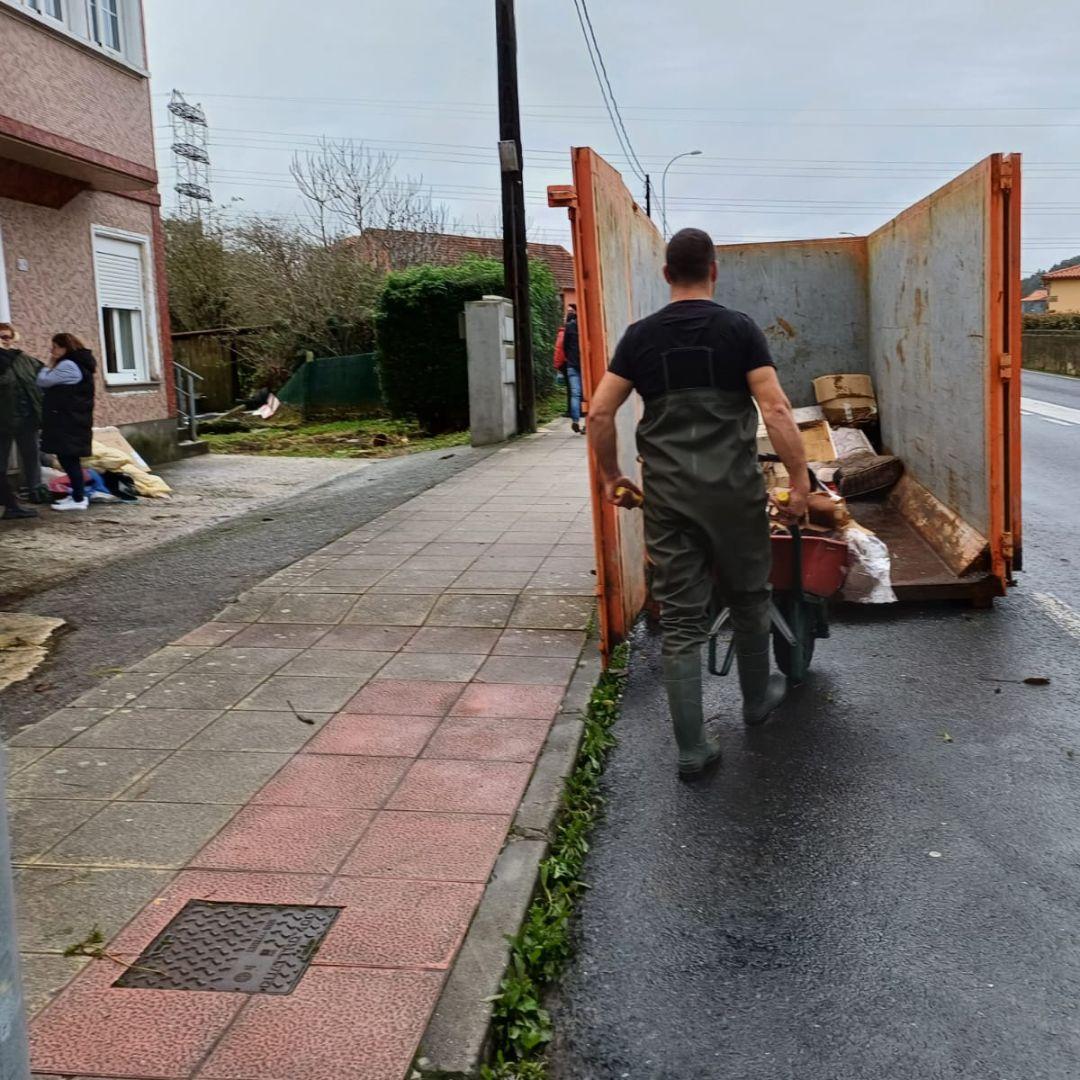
522,1027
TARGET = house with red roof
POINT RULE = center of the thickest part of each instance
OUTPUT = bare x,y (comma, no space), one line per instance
1063,289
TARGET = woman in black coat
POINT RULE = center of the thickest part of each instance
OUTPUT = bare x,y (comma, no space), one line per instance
67,413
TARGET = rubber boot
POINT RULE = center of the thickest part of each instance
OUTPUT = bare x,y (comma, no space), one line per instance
761,692
698,749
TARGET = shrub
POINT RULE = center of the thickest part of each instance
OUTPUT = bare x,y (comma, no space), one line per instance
422,358
1052,320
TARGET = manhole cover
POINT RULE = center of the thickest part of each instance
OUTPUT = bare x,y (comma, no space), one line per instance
250,948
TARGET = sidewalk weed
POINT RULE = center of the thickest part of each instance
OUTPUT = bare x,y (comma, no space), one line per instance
543,945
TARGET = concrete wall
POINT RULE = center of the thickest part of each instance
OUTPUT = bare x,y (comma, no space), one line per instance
809,296
68,89
929,347
1064,295
58,293
1056,351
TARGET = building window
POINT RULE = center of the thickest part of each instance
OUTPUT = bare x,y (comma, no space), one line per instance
105,23
121,267
53,8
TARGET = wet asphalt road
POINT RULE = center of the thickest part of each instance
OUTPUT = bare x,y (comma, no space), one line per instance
129,608
853,896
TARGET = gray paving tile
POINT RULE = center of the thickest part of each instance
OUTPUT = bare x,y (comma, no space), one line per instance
553,612
538,670
44,975
134,728
82,773
507,580
361,560
346,577
59,728
471,610
502,564
273,732
199,691
439,562
18,757
119,690
391,609
244,609
302,692
385,639
134,834
526,642
279,636
451,549
563,582
199,776
432,667
452,639
415,581
38,824
169,659
210,634
344,663
308,608
384,545
237,660
59,906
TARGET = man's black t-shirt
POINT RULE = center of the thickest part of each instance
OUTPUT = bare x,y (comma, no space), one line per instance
691,343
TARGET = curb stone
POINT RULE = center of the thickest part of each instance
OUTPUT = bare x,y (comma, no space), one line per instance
456,1042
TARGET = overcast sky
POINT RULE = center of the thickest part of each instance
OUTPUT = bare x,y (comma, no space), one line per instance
813,118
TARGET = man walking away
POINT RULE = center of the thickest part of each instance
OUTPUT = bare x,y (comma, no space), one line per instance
699,367
572,348
8,426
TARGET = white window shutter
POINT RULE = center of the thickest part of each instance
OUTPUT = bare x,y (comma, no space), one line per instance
119,273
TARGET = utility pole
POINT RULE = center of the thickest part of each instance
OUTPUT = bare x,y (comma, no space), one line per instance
648,195
515,249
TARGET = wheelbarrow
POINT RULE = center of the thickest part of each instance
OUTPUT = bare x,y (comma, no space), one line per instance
806,571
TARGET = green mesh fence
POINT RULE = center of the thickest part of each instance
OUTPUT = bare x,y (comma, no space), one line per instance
335,382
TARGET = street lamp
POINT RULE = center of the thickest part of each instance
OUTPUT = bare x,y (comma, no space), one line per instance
663,186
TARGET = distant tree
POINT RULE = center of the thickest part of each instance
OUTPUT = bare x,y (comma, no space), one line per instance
196,262
350,191
1034,281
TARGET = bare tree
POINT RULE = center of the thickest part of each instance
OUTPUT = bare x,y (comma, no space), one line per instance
353,191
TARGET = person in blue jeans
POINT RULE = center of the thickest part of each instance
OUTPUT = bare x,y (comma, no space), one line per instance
572,348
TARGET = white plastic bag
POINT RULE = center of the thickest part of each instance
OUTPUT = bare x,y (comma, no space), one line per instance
869,578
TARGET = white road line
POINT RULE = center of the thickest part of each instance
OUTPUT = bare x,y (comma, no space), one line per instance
1060,612
1061,414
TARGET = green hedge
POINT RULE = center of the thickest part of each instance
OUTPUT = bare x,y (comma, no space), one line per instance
1052,320
421,355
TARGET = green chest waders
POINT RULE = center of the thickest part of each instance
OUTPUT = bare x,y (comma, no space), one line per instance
706,528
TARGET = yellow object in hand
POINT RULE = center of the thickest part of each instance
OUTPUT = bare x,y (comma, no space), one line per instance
621,491
782,496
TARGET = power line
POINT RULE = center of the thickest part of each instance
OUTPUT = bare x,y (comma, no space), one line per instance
606,91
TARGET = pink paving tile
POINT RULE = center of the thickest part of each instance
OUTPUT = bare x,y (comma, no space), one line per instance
303,839
415,924
465,787
211,634
339,1022
359,783
393,697
94,1028
434,847
239,887
510,700
377,736
487,738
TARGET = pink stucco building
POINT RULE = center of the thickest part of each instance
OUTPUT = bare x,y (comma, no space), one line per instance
81,244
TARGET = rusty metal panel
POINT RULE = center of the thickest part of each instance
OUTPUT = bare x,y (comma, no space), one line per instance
809,296
619,258
929,341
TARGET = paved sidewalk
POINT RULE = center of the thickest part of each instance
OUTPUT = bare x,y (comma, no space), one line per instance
356,732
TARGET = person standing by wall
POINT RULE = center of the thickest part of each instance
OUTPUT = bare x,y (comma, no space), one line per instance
10,503
572,348
20,387
68,412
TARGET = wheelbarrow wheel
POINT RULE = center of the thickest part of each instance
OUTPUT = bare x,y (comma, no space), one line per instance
801,624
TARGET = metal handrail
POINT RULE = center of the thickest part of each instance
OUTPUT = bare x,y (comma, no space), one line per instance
187,400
